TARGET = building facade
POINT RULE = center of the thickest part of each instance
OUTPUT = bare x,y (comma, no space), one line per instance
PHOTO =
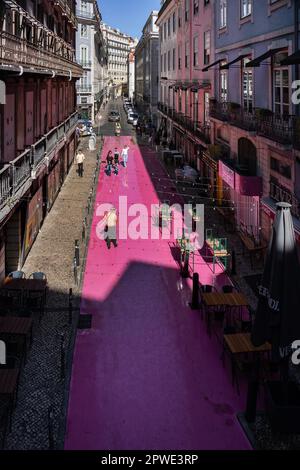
91,54
185,85
119,46
131,74
255,125
38,117
147,58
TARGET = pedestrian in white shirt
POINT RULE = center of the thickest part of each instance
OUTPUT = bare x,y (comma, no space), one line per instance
124,155
80,159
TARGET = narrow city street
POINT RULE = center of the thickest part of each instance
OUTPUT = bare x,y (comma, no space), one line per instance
146,375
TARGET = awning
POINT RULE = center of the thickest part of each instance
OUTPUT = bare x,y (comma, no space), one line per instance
205,69
238,59
258,60
292,59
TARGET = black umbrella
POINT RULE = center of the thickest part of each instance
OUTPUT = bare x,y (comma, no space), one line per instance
277,318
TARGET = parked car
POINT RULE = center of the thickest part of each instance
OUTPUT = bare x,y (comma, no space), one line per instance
132,117
114,116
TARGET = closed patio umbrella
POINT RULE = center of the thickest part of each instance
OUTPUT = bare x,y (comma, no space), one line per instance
277,318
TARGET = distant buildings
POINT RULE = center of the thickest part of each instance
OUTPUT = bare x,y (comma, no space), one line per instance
91,54
119,46
146,68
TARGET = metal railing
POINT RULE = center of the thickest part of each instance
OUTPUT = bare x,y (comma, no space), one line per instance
281,194
90,15
86,64
17,172
84,88
282,129
67,6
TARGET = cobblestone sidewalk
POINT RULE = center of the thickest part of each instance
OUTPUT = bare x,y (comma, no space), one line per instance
44,379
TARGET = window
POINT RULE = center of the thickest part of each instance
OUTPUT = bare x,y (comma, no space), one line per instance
206,59
179,57
223,13
247,86
186,112
165,31
206,108
224,86
187,55
83,31
165,62
196,51
174,59
180,101
179,17
196,7
161,34
169,60
246,8
187,10
280,168
84,55
169,27
281,85
196,108
174,22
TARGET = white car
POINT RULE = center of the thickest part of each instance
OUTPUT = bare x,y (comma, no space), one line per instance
131,117
135,122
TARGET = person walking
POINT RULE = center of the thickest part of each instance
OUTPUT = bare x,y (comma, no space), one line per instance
124,155
111,228
80,159
109,162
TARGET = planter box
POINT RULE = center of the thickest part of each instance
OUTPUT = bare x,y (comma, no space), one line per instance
284,418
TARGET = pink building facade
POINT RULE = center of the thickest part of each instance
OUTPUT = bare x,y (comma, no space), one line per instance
186,46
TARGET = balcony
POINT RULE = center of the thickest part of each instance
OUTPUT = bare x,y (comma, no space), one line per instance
84,88
34,47
282,129
86,64
280,194
196,128
14,175
87,15
67,8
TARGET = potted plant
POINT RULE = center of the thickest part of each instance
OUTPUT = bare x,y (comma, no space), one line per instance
263,112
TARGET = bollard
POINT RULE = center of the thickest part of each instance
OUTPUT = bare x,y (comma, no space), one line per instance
195,305
62,356
75,271
252,393
50,428
70,306
185,267
77,252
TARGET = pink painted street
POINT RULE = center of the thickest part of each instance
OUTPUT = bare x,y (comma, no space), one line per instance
146,376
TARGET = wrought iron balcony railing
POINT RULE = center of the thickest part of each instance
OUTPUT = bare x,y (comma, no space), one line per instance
16,173
282,129
86,64
88,15
281,194
24,41
84,88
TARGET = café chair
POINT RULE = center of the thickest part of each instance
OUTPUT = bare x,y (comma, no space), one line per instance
17,275
38,276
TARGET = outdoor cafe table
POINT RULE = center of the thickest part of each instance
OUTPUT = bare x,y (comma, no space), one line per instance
37,286
17,326
240,343
213,300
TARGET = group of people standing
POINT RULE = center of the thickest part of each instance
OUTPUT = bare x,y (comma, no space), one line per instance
113,160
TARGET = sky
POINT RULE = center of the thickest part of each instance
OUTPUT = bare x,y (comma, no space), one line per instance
127,15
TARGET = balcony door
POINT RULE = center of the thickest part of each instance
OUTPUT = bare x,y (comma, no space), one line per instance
281,82
247,157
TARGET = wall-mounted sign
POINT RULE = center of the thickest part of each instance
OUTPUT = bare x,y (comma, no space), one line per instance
227,174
